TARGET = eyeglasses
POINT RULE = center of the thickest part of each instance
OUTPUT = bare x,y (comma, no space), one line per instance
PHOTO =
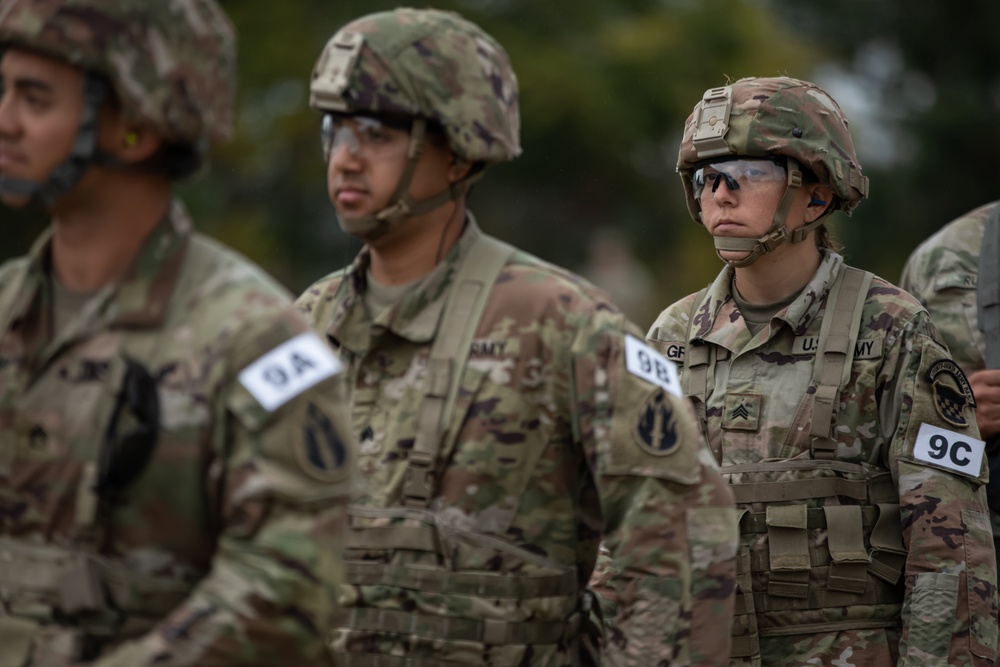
124,457
376,137
748,174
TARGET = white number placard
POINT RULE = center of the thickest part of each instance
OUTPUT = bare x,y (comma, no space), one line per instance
650,365
948,449
288,370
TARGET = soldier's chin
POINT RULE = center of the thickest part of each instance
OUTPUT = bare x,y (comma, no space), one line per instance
734,255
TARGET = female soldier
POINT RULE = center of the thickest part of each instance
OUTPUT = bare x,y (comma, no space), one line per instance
843,426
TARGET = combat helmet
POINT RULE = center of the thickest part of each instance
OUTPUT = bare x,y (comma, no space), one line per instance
769,117
434,67
172,66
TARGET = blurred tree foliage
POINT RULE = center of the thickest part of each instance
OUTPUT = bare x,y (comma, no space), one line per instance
605,88
928,75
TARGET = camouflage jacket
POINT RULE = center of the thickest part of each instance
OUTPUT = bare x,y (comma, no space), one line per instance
942,273
756,410
555,445
224,548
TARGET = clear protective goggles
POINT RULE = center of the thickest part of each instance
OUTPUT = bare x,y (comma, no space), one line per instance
745,173
372,136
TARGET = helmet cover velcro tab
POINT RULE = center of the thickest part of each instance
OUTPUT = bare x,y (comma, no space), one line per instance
713,123
333,72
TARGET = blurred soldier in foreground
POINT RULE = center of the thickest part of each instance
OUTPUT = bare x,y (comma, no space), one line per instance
509,416
956,275
843,426
174,450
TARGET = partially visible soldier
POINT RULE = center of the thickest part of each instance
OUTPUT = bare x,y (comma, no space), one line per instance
509,416
951,275
174,457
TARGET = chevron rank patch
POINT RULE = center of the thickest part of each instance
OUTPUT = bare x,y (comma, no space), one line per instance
952,393
742,412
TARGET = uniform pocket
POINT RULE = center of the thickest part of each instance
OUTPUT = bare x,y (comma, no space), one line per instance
932,616
981,582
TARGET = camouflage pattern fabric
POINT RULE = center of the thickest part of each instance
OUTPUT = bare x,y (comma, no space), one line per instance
553,446
431,64
226,547
172,64
778,116
756,411
942,273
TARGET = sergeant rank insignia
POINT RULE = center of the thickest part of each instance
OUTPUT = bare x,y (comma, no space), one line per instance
655,428
952,393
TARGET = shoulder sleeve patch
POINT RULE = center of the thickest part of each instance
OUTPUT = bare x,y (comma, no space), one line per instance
947,449
643,361
952,392
288,370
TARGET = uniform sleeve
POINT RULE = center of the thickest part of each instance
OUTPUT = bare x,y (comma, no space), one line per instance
950,605
281,481
666,575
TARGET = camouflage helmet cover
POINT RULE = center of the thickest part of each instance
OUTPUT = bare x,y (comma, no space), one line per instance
172,63
760,117
427,63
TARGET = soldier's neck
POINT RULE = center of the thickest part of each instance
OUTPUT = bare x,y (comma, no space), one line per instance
414,248
779,274
100,227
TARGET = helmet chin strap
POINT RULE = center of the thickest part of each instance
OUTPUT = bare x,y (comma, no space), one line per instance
777,234
401,205
84,153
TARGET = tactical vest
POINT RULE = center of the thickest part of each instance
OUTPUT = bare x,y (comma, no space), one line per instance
821,546
424,590
72,601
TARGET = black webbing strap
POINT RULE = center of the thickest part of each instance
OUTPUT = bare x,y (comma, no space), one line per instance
988,296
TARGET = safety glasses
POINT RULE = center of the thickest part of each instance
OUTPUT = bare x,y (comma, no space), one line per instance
374,137
741,174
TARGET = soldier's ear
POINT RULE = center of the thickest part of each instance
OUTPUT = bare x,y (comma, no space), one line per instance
458,168
129,143
819,201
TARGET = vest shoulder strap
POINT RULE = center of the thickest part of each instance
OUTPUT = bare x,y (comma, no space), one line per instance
988,296
462,312
837,339
697,362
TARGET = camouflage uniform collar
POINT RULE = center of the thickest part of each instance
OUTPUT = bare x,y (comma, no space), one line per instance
722,325
417,315
141,298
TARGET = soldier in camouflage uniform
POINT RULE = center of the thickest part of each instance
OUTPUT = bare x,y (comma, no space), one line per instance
174,444
844,428
943,272
509,416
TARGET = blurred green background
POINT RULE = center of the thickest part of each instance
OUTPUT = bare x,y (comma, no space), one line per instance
605,88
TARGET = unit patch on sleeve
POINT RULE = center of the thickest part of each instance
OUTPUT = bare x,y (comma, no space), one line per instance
650,365
952,393
655,428
948,449
288,370
320,451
